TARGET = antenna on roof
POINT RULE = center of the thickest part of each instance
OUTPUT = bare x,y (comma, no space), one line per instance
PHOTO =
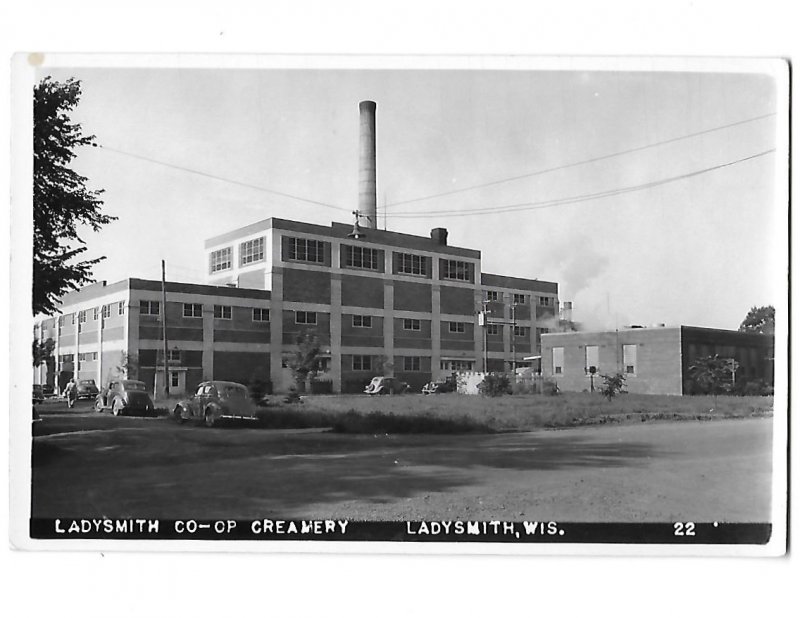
357,231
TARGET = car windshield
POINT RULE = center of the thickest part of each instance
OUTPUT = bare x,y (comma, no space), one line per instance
87,382
233,391
134,386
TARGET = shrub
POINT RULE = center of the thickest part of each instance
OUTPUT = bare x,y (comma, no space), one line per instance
321,387
494,385
381,422
613,385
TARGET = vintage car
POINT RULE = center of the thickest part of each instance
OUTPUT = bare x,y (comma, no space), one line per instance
214,401
385,386
87,389
125,396
439,386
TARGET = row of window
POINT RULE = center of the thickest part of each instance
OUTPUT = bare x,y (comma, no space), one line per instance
82,315
364,363
87,356
195,310
592,359
250,251
494,296
519,331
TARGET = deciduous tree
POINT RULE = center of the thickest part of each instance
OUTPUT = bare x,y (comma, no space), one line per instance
61,200
759,320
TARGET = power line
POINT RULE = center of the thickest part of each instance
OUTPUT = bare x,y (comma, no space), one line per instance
222,178
582,162
575,198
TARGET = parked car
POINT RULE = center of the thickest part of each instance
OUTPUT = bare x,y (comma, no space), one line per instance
38,393
125,396
385,386
48,390
87,389
216,400
439,386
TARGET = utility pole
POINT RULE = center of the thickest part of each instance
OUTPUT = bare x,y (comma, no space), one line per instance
483,320
514,340
164,327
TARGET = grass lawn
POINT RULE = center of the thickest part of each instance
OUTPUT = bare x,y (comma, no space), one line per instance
453,413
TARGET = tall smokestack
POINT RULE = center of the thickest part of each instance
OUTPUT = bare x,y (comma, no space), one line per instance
367,189
566,311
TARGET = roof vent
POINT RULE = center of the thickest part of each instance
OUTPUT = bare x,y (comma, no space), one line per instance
439,235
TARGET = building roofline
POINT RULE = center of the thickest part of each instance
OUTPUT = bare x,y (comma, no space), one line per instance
533,285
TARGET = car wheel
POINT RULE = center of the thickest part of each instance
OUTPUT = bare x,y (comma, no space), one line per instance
177,415
116,408
210,417
98,405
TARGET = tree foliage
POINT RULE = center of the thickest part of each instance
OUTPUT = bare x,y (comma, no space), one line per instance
759,320
61,201
42,351
305,359
494,385
713,374
613,385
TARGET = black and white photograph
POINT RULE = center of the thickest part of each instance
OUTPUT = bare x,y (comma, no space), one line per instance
514,305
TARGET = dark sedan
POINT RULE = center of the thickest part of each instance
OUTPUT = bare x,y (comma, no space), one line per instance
87,389
214,401
125,396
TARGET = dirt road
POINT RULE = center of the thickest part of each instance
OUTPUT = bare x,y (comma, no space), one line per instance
91,465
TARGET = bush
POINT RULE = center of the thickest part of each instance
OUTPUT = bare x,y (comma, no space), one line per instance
613,385
494,385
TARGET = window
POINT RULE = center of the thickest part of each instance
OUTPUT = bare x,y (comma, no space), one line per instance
121,307
492,329
456,270
629,358
81,317
220,260
173,379
260,315
61,320
174,355
223,312
411,264
362,321
87,356
305,317
411,324
558,361
362,257
493,296
192,310
456,365
520,299
592,359
95,312
545,301
362,363
411,363
106,311
520,331
149,307
251,251
542,331
305,250
458,327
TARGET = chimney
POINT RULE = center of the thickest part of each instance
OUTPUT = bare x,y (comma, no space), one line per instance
367,190
566,311
439,235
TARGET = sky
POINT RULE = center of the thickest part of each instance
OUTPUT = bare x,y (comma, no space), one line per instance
699,251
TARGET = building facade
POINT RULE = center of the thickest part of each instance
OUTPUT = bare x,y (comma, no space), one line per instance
654,360
384,303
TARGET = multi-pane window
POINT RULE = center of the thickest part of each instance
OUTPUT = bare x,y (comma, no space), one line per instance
192,310
362,363
61,320
260,315
220,260
362,321
492,296
121,307
87,356
306,250
223,312
95,313
558,360
592,359
411,264
173,379
629,358
106,311
305,317
251,251
362,257
81,317
411,363
520,331
492,329
149,307
520,299
456,365
458,327
546,301
411,324
174,355
457,270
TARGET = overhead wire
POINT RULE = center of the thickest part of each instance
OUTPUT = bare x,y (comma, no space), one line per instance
575,198
581,162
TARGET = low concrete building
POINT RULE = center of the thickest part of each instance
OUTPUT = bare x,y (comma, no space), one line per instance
654,360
